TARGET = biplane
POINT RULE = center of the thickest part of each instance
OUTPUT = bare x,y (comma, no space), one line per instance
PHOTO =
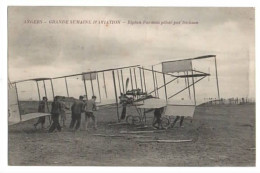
175,70
144,88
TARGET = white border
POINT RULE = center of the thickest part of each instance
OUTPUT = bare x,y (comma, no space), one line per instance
162,3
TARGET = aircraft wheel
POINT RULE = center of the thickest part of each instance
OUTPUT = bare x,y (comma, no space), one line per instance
165,122
133,120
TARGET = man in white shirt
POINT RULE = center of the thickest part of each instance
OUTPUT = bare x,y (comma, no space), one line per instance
90,106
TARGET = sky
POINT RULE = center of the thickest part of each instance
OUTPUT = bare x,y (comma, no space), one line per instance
50,50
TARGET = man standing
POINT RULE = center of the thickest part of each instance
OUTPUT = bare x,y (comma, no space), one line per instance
43,108
76,109
176,119
55,112
63,111
90,106
157,118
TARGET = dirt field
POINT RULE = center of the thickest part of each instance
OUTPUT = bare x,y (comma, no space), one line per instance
222,135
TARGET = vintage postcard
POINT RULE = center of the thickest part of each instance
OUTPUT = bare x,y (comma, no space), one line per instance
131,86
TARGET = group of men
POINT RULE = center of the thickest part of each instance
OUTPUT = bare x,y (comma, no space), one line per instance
80,106
58,113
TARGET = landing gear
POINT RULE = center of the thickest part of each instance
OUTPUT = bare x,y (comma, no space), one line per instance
133,120
165,122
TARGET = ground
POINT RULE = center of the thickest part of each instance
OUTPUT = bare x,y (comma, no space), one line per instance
222,135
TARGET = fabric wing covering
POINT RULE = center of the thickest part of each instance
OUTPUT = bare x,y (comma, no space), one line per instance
172,107
151,103
13,109
176,66
34,115
89,76
106,102
184,108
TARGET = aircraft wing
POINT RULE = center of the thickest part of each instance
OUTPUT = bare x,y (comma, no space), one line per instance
27,117
172,107
151,103
184,108
106,102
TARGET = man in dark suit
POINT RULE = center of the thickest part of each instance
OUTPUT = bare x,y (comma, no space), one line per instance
76,109
43,108
55,113
157,118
